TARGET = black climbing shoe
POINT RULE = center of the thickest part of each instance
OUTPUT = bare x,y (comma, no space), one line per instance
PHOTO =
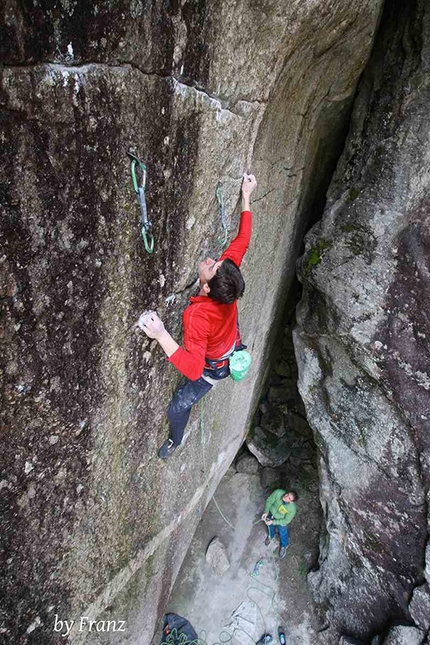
267,541
266,639
281,636
167,449
283,552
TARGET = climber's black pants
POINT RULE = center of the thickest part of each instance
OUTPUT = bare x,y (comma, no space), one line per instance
188,393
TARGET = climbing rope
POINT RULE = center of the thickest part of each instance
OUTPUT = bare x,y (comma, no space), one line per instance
173,638
219,193
268,590
202,441
265,589
148,238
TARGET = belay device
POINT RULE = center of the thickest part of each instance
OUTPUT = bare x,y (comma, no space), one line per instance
148,238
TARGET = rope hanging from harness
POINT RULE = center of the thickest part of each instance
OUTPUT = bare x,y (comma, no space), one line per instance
219,193
148,238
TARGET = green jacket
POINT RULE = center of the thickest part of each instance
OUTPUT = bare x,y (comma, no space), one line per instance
282,512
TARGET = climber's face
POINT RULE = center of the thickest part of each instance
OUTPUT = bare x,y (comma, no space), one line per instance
207,270
289,497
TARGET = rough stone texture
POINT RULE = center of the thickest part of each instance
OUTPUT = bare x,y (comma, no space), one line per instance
85,396
269,477
362,340
402,635
269,450
427,565
247,464
216,557
419,607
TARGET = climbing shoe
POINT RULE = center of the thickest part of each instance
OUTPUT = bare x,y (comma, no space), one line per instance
283,551
266,639
167,449
267,541
281,636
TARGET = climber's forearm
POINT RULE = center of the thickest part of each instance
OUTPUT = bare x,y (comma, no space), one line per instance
246,203
167,343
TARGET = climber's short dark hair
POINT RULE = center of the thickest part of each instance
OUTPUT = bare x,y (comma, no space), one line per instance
227,285
295,495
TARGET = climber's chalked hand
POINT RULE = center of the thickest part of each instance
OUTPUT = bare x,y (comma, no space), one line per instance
249,184
151,324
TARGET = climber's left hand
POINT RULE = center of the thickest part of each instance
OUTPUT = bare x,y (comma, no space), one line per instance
151,324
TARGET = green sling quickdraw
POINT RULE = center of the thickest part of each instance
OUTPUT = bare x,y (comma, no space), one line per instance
219,193
148,238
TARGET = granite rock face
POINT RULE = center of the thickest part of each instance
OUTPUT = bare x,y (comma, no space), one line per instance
200,91
362,341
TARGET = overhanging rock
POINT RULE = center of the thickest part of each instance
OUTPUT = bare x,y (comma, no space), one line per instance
200,91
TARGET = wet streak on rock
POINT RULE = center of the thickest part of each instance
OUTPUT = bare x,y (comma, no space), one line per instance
196,58
65,198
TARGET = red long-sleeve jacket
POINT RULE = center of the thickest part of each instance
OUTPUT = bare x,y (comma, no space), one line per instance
210,327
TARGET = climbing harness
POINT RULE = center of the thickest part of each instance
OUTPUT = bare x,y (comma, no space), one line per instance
219,193
148,238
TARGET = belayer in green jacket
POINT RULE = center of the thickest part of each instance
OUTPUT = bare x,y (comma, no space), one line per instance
279,510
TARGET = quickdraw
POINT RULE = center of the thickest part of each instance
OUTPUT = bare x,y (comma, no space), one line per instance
219,193
148,238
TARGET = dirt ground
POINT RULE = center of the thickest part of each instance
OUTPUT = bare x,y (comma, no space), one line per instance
235,606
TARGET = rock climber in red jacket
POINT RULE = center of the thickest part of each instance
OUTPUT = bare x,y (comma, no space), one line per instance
210,328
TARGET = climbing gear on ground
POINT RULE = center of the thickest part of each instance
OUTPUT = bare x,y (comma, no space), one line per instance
178,631
267,541
167,449
281,636
266,639
240,362
219,193
148,238
257,568
283,551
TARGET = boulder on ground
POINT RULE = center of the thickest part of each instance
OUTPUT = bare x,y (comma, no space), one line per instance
273,421
269,449
268,477
420,607
247,464
404,635
216,556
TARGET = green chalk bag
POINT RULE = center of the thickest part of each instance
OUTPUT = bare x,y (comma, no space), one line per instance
239,363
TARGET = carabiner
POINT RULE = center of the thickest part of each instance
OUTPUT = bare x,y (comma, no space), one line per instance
135,161
148,239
